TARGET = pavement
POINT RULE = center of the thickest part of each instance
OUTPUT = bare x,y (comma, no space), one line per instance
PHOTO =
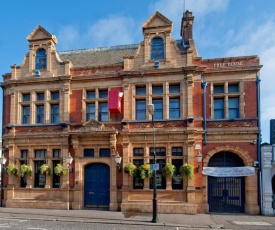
181,221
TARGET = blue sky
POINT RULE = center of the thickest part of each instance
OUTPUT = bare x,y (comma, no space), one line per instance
222,28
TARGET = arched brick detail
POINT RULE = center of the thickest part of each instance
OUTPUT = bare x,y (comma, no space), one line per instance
244,155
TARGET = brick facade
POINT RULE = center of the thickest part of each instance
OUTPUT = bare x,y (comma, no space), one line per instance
78,122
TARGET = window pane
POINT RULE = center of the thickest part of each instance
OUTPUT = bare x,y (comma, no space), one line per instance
157,89
218,89
40,59
40,154
54,113
39,179
174,108
140,90
26,97
40,114
174,88
140,109
90,94
26,115
54,95
56,153
158,106
157,49
177,181
24,153
138,182
56,178
103,112
90,111
177,151
89,153
160,179
104,153
40,96
218,108
233,88
103,93
138,152
159,152
233,108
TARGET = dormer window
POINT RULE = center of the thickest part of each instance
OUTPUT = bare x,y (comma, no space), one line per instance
157,49
41,60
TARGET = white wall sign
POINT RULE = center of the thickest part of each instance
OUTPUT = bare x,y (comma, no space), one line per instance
229,171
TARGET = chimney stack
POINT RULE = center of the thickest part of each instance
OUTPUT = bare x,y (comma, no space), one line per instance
187,27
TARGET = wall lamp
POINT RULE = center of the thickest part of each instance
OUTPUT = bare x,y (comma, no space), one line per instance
3,161
69,161
118,161
199,159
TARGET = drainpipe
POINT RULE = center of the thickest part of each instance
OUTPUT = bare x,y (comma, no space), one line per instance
2,133
259,137
204,85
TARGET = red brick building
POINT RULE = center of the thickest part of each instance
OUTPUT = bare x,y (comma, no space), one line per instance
92,105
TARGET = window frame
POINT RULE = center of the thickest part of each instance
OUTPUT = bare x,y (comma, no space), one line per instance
157,50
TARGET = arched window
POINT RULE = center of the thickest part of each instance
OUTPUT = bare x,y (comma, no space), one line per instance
41,60
157,49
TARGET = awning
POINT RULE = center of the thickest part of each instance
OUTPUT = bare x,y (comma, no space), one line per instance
229,171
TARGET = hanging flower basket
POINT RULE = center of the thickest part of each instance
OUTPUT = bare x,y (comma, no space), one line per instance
169,168
45,169
25,170
59,170
145,171
130,169
12,170
187,170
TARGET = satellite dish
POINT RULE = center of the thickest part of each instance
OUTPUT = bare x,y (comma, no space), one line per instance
37,73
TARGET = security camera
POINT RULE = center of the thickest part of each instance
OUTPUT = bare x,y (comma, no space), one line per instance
190,119
254,142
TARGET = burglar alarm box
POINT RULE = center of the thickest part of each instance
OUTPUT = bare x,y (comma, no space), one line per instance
114,101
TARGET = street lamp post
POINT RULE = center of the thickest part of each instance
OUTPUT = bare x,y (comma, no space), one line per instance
150,108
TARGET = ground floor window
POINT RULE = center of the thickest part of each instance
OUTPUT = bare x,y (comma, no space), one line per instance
56,179
177,181
138,181
23,180
39,179
160,179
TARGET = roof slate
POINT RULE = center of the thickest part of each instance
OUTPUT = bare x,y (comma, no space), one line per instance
104,56
98,56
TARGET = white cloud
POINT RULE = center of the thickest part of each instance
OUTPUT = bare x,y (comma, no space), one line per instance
68,36
174,9
113,30
256,37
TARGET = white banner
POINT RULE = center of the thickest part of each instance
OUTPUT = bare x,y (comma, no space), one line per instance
229,171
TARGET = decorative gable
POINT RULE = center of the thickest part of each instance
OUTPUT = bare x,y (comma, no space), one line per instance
157,22
39,33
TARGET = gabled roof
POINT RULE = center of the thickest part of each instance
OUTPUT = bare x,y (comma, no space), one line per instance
39,33
99,56
157,20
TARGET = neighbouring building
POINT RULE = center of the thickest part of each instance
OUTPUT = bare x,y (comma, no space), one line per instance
268,179
272,131
91,104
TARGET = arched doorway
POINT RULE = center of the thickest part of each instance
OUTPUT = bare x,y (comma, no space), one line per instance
97,186
226,194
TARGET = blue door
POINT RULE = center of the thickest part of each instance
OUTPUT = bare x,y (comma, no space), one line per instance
97,185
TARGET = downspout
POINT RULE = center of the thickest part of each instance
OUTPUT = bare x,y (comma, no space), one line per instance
204,85
258,80
2,133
